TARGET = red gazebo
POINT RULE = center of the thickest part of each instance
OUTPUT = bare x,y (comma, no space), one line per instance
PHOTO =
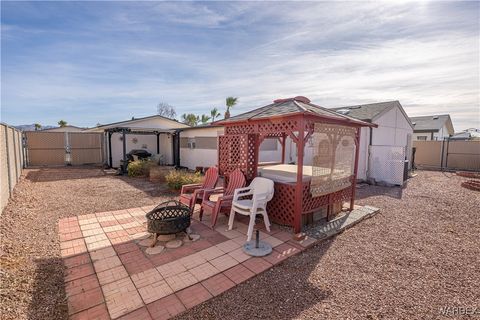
298,119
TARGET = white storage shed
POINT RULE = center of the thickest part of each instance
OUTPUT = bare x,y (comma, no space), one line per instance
383,150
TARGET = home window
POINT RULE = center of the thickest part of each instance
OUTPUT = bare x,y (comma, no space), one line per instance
422,138
191,144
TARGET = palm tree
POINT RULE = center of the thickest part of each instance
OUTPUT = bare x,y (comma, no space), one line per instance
62,123
38,126
190,119
204,119
214,114
230,102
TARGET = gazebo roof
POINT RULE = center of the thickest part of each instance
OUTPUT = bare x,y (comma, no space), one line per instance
290,107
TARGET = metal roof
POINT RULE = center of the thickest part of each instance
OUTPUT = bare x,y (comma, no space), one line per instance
139,130
367,112
429,123
289,106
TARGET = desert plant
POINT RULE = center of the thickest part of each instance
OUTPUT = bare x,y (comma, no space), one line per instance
176,179
139,168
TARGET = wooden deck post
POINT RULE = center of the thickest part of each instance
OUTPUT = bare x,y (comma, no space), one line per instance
297,222
355,168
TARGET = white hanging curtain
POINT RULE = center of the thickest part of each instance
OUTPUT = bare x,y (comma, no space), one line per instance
333,159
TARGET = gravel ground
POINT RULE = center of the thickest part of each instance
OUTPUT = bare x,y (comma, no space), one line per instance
31,268
420,253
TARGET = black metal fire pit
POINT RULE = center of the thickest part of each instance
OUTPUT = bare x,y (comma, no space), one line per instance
169,217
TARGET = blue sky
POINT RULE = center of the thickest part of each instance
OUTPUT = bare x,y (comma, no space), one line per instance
100,62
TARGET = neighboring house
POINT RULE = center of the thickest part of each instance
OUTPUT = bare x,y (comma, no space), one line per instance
469,134
382,149
154,134
67,128
436,127
199,147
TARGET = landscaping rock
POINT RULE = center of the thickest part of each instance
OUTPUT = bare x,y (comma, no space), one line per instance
155,250
173,244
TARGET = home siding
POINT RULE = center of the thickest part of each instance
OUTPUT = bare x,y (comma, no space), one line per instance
205,153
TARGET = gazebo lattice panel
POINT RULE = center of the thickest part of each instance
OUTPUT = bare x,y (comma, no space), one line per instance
281,207
239,129
237,151
272,128
252,157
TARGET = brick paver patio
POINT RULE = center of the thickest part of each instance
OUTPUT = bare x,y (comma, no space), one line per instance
109,276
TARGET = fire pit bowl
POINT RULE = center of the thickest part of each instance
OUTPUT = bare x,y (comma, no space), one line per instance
169,217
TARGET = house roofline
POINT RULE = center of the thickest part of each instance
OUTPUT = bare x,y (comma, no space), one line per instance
201,127
390,108
136,119
426,130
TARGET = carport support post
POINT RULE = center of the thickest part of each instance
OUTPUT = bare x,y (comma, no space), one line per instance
110,149
355,168
124,140
158,143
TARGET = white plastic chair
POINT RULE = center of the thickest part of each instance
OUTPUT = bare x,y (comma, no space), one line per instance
261,190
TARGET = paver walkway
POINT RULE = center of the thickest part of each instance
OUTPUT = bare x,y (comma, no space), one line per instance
109,275
342,222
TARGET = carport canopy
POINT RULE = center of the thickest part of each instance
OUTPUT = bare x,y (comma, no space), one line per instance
138,131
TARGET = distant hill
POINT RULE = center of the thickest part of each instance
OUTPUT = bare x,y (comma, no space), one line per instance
31,127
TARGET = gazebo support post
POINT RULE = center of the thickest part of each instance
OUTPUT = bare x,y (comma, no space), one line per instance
283,141
355,168
297,221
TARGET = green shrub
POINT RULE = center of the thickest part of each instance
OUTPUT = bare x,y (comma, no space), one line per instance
139,168
176,179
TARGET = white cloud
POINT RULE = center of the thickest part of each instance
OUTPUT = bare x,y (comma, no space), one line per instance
337,54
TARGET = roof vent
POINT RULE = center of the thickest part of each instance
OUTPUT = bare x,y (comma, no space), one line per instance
343,111
435,117
414,123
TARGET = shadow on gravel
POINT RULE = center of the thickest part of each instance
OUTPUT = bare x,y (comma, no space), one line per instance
64,173
152,189
48,296
290,293
367,191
